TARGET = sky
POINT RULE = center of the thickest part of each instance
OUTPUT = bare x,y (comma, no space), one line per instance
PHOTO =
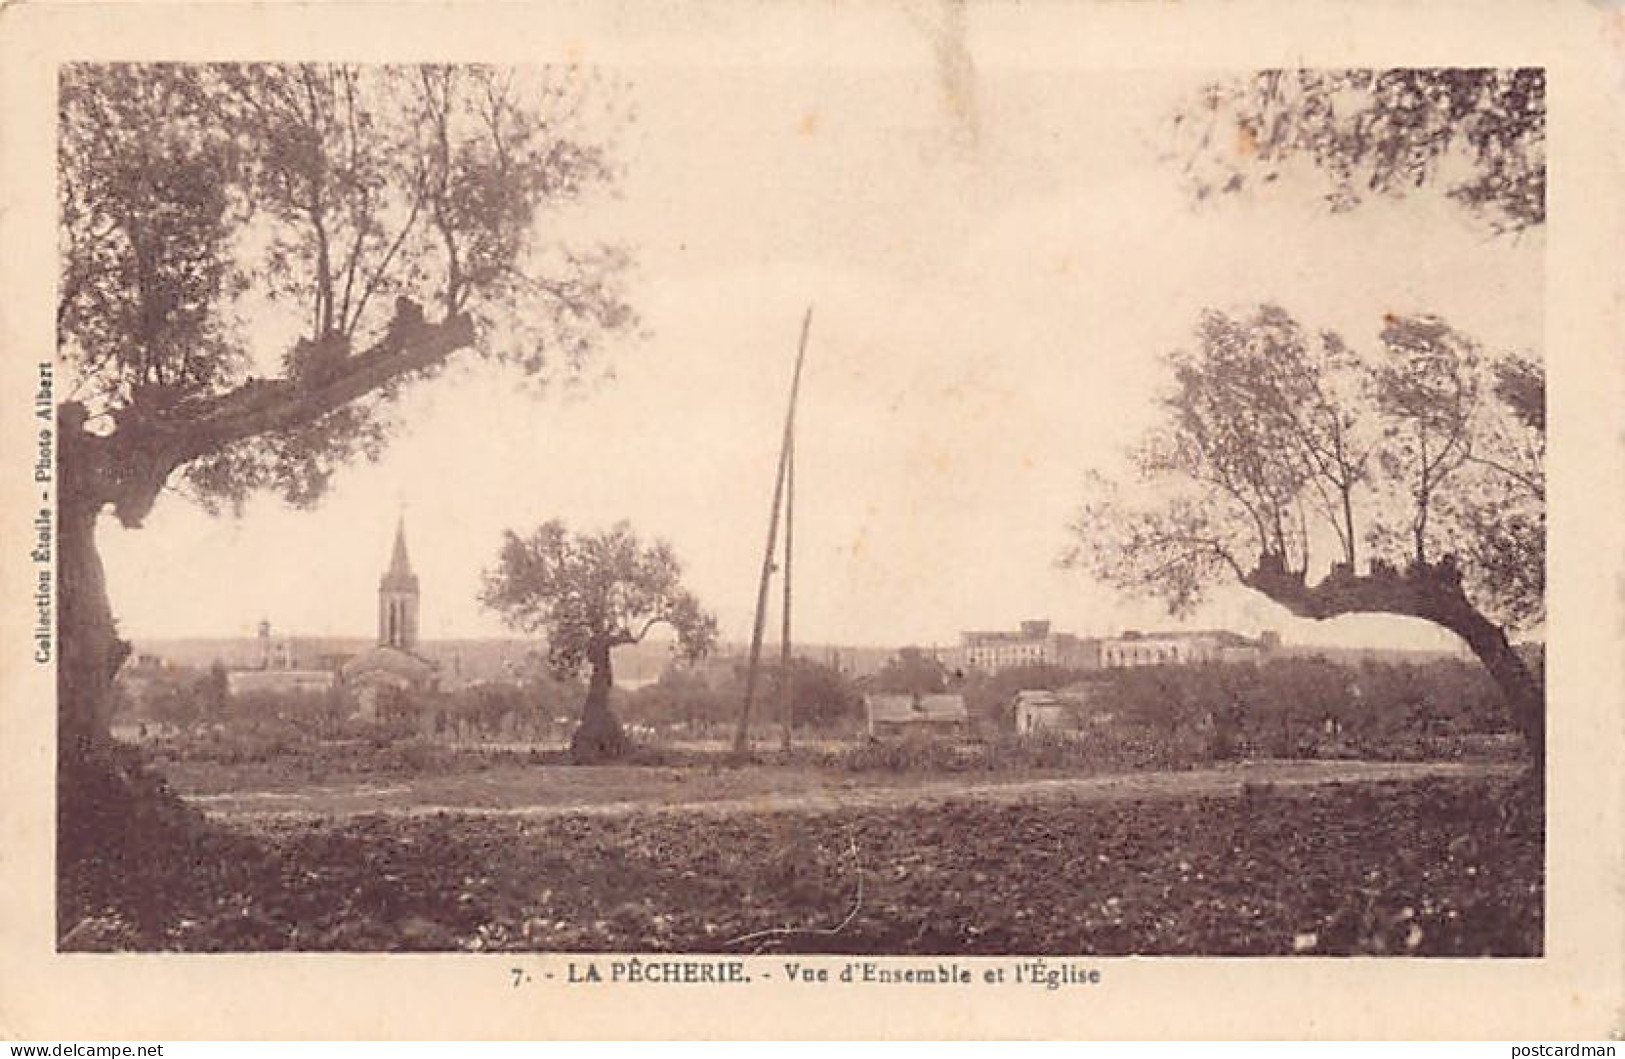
995,267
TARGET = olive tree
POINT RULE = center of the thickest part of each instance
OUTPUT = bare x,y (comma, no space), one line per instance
590,593
257,260
1481,132
1409,480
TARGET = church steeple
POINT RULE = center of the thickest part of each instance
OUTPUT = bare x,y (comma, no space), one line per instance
398,598
399,576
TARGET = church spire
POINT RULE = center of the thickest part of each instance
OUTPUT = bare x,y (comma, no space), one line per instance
398,597
399,576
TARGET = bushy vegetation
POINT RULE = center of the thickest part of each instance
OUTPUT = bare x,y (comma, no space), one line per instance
1436,868
1284,707
689,700
1310,707
1099,750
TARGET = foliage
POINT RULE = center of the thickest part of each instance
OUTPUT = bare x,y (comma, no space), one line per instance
1277,444
911,671
822,698
1377,132
1099,751
177,700
1433,868
590,593
593,591
316,713
1420,468
1451,444
1310,707
990,697
683,696
357,206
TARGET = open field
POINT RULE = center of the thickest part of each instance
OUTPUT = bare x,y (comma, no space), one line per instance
1268,858
554,790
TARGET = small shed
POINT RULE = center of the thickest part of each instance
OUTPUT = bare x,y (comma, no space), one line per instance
1068,709
1043,711
899,715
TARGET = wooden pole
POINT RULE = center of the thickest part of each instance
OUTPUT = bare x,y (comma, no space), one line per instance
742,733
787,688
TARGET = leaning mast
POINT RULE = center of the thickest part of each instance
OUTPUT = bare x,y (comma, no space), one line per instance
781,480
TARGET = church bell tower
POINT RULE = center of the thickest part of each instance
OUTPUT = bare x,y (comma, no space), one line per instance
398,598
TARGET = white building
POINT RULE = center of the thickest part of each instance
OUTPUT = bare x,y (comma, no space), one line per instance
1065,710
1033,644
279,670
1183,648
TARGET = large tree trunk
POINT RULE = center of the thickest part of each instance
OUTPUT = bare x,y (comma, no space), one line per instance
156,432
599,736
89,651
1524,691
1433,592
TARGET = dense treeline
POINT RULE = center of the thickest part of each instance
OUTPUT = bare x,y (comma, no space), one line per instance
1283,707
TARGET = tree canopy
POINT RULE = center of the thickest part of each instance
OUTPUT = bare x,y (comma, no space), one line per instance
1419,467
1479,132
1408,479
597,590
910,671
589,593
255,258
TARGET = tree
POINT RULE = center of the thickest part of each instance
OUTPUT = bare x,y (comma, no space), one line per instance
590,593
820,696
911,671
216,691
1421,466
179,701
383,217
992,696
1376,132
684,696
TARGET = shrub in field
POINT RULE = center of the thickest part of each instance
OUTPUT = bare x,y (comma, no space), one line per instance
911,671
1096,750
904,755
317,714
419,756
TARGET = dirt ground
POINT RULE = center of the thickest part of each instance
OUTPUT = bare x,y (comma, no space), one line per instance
556,790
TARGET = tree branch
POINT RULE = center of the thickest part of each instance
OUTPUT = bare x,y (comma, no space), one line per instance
1534,485
260,407
150,439
1431,591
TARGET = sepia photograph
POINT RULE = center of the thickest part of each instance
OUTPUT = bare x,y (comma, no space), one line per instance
717,509
269,272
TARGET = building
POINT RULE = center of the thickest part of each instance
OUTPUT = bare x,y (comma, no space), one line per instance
1042,711
384,678
1067,709
900,715
1184,648
280,670
1033,644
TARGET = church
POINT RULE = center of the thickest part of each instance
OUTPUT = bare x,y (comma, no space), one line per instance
385,678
